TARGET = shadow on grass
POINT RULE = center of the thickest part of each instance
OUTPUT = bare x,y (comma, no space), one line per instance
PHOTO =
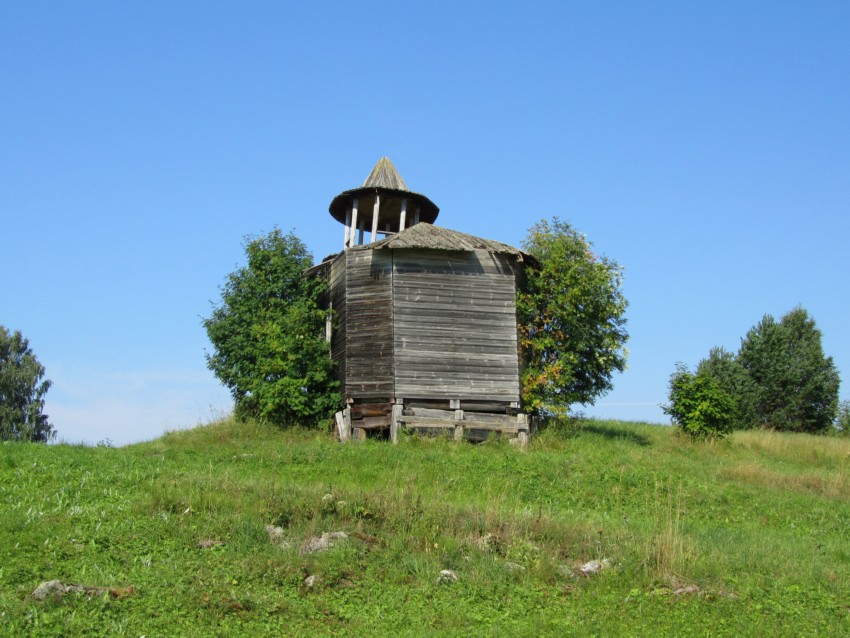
615,434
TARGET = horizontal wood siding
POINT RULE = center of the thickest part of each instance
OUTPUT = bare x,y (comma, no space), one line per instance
369,324
336,295
454,318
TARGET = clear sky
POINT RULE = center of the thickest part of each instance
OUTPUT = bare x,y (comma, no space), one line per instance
704,146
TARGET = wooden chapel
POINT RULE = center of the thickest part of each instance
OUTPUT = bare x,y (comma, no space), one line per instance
424,327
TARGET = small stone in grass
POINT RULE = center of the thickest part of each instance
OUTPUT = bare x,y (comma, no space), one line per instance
447,576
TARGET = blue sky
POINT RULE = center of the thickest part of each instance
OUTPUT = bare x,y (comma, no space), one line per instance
704,146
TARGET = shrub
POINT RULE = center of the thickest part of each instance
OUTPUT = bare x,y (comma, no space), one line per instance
698,405
722,366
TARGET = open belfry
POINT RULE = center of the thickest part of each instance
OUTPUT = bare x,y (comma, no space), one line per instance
423,328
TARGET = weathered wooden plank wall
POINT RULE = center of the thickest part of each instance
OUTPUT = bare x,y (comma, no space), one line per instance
336,295
369,324
425,324
454,330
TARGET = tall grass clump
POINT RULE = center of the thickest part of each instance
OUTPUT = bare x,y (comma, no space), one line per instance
668,549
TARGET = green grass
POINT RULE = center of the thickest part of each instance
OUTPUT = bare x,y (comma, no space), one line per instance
758,526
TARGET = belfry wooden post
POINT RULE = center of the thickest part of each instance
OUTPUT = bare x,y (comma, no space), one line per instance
376,212
346,242
353,221
403,218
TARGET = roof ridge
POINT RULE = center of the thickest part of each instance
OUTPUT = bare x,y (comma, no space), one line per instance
425,235
427,226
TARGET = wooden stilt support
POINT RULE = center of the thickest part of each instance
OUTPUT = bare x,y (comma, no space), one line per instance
343,425
522,435
454,404
398,408
347,416
340,425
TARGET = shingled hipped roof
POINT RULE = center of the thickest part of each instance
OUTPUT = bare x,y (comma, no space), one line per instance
431,237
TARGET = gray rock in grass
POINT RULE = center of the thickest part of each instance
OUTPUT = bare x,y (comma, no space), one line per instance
323,542
594,567
447,577
54,588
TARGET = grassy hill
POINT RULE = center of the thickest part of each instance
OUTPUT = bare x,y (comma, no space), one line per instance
745,537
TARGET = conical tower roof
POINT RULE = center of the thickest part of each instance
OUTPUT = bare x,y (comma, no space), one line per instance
385,182
385,175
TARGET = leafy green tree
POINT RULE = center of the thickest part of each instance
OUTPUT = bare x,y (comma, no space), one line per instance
22,391
793,385
267,336
571,314
698,405
722,366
